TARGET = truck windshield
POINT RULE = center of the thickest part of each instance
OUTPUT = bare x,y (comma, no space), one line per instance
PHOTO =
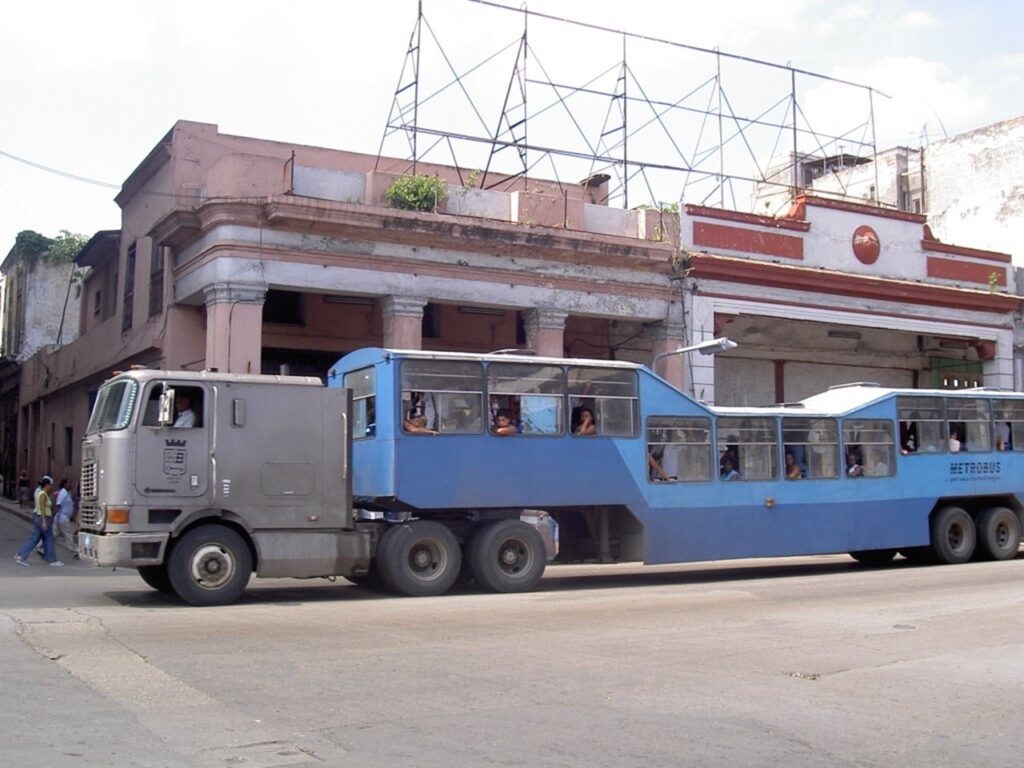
114,405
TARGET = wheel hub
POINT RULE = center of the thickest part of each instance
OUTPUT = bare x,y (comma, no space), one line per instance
212,566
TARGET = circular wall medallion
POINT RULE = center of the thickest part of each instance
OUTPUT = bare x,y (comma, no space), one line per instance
866,245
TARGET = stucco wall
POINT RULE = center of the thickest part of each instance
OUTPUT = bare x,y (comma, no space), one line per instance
46,290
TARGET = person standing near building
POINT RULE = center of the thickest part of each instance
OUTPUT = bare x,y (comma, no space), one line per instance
42,526
64,526
23,484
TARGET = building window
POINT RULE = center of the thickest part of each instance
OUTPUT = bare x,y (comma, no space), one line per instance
283,307
431,321
156,281
97,303
68,446
129,289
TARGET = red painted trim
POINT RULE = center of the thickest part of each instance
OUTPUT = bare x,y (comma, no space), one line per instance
965,271
749,271
704,212
958,250
833,308
747,240
861,208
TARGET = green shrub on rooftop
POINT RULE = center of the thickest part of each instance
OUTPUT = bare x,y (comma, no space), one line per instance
416,193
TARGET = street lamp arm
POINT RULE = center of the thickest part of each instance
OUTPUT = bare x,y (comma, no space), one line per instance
710,347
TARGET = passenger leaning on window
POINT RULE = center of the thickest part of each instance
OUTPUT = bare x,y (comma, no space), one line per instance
587,425
503,424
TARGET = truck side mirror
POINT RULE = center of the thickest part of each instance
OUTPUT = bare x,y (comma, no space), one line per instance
167,407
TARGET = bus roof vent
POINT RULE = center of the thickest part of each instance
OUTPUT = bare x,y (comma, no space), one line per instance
790,405
855,384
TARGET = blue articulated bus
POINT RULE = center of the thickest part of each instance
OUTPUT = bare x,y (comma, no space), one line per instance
452,451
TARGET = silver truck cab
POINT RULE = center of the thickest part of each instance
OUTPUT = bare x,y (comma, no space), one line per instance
198,479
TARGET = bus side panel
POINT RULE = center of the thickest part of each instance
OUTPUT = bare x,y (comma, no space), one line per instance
484,471
373,468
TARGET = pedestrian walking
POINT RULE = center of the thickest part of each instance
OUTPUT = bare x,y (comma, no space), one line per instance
42,526
64,518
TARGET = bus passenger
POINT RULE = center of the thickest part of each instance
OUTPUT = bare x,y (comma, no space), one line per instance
587,426
503,424
853,467
793,471
954,441
728,471
418,425
657,474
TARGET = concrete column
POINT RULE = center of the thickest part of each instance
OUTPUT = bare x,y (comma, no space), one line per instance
403,322
234,326
545,331
667,336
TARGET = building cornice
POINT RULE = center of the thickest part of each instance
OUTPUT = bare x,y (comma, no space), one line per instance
750,272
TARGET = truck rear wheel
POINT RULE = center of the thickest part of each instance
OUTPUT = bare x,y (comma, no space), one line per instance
998,533
420,559
156,577
507,556
210,565
953,535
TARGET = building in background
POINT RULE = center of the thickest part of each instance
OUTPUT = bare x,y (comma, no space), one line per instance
249,255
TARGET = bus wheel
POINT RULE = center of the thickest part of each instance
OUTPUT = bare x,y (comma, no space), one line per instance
507,556
998,533
953,535
210,565
156,577
873,556
420,558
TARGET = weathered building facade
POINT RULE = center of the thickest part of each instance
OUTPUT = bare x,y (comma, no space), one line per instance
249,255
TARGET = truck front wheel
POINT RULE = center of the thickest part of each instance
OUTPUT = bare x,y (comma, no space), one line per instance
156,577
210,565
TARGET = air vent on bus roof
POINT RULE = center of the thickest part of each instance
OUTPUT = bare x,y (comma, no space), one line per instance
855,384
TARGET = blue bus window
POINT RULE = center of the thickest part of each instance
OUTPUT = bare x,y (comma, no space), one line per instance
533,396
1009,424
363,384
750,445
922,424
870,448
449,394
680,447
610,394
971,423
814,445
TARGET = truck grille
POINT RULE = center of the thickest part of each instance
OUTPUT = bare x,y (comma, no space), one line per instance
89,514
89,489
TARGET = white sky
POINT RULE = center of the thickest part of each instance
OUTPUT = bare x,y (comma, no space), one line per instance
89,87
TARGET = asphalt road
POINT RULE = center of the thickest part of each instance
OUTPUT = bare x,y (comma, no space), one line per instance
796,662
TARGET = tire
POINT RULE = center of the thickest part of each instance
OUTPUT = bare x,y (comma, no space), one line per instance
873,556
156,577
419,559
998,534
507,556
210,565
954,536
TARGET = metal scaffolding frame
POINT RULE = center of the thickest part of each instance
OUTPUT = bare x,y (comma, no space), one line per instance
697,146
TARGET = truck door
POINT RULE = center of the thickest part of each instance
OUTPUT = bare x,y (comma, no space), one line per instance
173,456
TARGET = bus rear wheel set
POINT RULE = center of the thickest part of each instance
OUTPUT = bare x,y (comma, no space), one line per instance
957,536
423,557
